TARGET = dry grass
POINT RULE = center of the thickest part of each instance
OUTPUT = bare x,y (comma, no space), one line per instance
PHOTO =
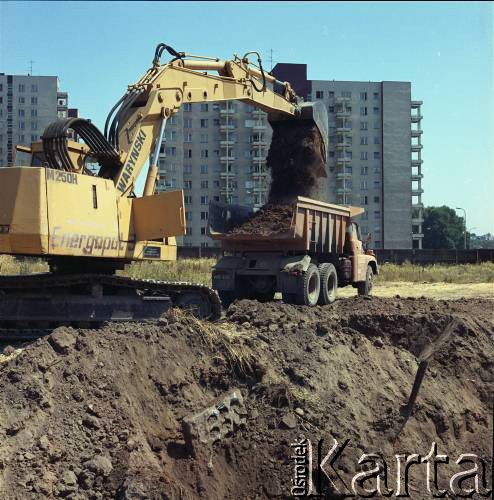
12,265
224,338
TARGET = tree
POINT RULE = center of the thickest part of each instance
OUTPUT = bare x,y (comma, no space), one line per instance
442,228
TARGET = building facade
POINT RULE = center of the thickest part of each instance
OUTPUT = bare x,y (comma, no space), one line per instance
217,152
27,105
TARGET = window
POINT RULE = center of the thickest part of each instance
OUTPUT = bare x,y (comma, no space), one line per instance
34,100
188,201
188,137
376,199
363,125
171,151
173,120
376,95
188,216
204,169
34,138
204,138
22,100
187,122
364,200
365,230
319,94
203,230
204,185
187,184
377,214
187,169
189,231
365,215
21,126
62,102
204,123
1,87
363,111
376,126
204,200
204,153
376,140
331,109
216,184
363,141
21,138
216,198
22,87
346,94
364,170
348,169
171,135
62,113
363,96
375,110
20,112
331,94
204,215
187,106
363,155
331,154
377,170
377,184
187,153
216,122
34,88
377,155
34,125
34,113
204,107
363,185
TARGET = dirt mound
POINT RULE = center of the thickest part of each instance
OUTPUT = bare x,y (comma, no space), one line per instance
270,219
100,413
296,159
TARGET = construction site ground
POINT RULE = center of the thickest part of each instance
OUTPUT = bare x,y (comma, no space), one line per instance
100,413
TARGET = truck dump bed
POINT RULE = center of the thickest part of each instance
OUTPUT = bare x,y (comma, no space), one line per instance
315,226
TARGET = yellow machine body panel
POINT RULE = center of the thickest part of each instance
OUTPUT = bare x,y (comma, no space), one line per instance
23,211
57,213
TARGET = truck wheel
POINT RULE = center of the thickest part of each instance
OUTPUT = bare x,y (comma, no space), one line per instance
329,283
227,297
310,286
365,287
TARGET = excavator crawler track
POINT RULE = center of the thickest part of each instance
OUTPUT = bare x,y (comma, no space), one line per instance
32,305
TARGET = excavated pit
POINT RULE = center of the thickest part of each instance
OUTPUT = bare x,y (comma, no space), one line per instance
99,413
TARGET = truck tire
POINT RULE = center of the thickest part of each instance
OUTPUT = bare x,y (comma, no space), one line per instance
309,287
227,297
329,283
365,287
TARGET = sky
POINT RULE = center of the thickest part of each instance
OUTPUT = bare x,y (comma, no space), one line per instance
444,48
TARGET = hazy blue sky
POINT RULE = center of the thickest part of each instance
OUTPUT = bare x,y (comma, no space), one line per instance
444,49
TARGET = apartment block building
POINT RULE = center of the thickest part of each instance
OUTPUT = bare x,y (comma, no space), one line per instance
218,152
27,105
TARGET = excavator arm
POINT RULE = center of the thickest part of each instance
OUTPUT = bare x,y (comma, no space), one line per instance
135,126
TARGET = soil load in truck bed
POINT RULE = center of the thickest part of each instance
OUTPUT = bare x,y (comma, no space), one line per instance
270,219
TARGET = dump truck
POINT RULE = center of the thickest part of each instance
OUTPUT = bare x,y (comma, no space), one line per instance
321,251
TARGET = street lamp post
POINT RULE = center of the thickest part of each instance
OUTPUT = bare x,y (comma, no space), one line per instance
464,226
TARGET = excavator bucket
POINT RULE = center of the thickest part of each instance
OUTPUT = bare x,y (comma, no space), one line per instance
299,151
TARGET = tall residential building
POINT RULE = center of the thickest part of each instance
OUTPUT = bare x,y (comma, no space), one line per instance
27,105
217,151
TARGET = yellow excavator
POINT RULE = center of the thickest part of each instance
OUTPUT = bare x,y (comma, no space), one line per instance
88,225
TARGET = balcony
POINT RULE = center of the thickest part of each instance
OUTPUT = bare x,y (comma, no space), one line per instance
227,143
417,236
262,174
262,142
417,220
227,159
417,163
417,177
417,133
258,112
416,104
343,129
418,205
343,161
259,126
343,113
343,99
343,145
416,118
224,127
343,175
258,159
227,174
227,111
343,190
417,191
416,148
